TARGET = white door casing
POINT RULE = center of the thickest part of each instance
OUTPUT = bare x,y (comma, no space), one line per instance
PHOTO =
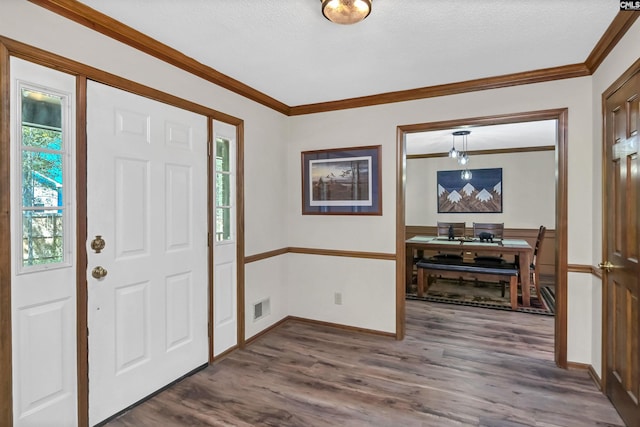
225,301
146,197
43,296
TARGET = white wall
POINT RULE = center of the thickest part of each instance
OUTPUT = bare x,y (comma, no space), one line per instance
377,125
528,190
265,130
617,62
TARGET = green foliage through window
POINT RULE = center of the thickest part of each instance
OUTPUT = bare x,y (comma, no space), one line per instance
42,179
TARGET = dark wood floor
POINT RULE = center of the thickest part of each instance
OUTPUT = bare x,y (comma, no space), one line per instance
458,366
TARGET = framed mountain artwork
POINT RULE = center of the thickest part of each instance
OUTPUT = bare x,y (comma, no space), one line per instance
482,193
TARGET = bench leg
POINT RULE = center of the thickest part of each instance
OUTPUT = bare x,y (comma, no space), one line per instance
513,292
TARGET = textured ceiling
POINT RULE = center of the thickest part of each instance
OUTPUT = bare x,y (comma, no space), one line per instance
505,136
289,51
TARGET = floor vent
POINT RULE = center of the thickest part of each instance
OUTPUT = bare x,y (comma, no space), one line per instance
261,309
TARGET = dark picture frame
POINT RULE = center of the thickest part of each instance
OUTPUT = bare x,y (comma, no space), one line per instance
480,194
342,181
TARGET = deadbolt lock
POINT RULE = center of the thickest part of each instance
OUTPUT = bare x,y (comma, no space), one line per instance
98,244
98,272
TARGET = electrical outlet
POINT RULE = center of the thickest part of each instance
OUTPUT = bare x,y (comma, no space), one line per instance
337,298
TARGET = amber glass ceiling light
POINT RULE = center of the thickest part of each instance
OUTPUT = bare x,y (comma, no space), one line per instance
346,11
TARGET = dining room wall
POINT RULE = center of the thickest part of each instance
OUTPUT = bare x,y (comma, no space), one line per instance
528,190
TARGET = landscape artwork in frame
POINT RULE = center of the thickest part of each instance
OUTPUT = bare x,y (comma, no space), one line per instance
342,181
480,194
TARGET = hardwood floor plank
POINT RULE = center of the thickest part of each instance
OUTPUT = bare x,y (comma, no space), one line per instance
458,366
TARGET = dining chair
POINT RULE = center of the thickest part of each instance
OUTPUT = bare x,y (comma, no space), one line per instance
497,231
443,228
459,228
534,268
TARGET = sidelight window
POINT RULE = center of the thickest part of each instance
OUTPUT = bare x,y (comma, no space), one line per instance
42,170
224,190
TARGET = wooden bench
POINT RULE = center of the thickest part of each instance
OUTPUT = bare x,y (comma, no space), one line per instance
430,269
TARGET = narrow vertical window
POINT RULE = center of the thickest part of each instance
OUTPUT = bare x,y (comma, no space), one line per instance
224,191
42,170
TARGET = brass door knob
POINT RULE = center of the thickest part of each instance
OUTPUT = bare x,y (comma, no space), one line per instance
97,244
606,265
98,272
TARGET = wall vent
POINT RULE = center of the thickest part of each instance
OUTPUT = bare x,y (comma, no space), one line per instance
261,309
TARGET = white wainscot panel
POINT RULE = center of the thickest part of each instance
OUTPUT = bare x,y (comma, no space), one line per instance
43,355
178,207
132,326
132,208
132,126
179,310
225,305
178,135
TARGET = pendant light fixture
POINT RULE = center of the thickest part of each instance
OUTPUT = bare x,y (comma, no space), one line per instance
463,157
346,12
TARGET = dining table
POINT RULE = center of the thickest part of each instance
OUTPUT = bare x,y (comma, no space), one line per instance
520,249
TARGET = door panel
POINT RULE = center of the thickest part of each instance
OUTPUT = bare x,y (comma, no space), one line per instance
147,186
622,282
43,292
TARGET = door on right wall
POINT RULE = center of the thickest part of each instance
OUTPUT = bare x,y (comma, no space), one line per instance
622,209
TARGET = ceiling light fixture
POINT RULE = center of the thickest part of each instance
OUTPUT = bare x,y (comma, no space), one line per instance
463,157
346,12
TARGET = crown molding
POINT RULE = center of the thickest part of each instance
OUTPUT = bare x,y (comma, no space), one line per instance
91,18
515,79
616,30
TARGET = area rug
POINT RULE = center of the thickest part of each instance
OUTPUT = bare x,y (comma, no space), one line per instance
486,295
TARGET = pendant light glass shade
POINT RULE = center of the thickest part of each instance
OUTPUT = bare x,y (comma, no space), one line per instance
466,175
346,12
453,153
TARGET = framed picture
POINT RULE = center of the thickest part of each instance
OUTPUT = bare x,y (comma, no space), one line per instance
342,181
480,194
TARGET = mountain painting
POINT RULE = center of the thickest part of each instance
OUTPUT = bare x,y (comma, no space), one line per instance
480,194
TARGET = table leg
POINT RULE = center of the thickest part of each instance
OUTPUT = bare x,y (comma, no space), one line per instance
408,267
525,262
421,277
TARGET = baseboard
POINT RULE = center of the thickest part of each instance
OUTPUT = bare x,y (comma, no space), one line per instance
343,327
266,330
578,366
589,368
225,353
595,377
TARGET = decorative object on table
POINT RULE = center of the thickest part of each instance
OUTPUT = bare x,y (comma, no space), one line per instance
480,194
451,233
486,237
342,181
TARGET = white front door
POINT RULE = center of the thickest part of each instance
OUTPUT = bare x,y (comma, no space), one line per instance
43,252
225,332
146,198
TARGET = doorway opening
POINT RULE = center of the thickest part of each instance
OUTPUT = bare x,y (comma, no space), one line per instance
560,116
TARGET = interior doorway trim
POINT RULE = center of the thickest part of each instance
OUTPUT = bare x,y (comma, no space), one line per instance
561,159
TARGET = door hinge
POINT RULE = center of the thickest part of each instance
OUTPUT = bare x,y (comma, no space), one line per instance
209,148
209,240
